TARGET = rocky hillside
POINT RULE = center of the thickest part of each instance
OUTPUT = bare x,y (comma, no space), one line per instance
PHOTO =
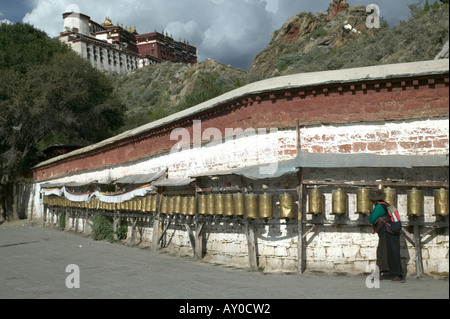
158,90
307,42
339,39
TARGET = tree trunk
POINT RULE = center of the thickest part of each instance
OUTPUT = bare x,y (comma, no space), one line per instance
10,201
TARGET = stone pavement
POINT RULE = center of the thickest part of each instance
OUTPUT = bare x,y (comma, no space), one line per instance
33,261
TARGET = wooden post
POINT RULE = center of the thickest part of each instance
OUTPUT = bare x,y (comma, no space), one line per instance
72,215
67,221
301,242
418,248
165,227
133,230
85,221
250,233
156,224
191,236
76,221
116,221
198,253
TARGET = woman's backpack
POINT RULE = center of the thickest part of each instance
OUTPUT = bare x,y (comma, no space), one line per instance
395,226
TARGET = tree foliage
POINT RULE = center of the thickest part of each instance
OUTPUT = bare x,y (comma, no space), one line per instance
48,95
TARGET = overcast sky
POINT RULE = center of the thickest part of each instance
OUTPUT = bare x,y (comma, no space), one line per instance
228,31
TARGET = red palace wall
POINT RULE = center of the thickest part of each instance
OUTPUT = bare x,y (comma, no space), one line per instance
360,102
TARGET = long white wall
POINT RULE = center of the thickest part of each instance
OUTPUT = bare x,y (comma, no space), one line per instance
330,247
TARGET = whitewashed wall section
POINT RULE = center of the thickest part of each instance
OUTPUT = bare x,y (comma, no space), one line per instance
260,149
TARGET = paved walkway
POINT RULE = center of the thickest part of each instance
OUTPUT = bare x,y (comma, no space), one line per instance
34,260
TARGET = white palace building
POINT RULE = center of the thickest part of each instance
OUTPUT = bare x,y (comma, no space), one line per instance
117,49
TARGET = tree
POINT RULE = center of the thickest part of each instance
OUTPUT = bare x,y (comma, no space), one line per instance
48,95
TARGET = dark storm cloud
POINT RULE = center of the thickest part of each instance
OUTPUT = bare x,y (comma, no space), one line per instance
228,31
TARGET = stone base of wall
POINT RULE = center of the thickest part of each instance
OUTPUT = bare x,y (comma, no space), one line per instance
330,248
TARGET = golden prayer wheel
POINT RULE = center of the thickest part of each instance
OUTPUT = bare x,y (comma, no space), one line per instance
131,204
265,206
315,201
184,205
239,208
251,206
139,203
94,202
144,204
210,204
441,202
202,204
363,203
339,202
415,202
177,205
191,206
148,204
219,204
287,209
164,205
154,203
229,205
390,196
170,205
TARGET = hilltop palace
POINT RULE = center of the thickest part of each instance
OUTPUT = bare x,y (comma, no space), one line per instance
117,49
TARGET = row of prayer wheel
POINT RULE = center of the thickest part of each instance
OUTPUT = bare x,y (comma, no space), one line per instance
260,206
184,205
415,201
141,204
137,204
247,206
